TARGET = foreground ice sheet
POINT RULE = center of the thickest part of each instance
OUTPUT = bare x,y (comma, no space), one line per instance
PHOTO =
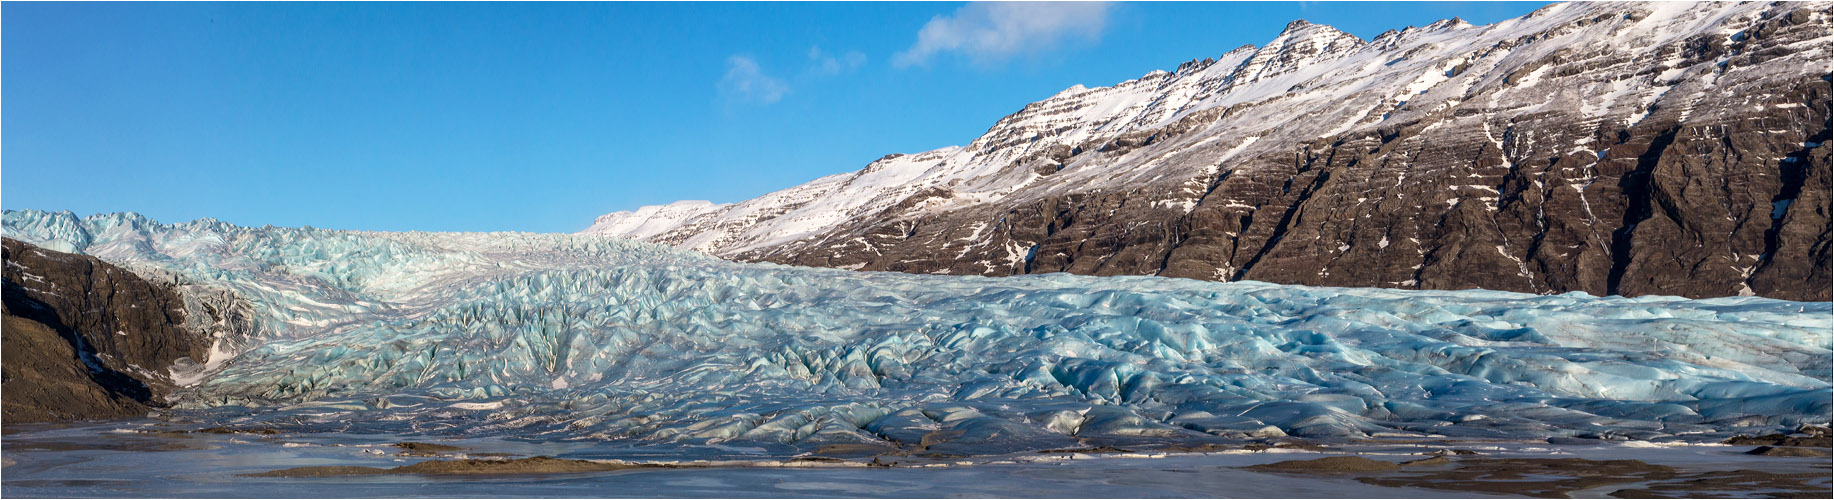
553,336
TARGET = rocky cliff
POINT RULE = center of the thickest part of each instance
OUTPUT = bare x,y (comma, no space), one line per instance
87,340
1610,148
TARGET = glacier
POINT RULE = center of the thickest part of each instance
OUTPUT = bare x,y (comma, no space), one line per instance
599,338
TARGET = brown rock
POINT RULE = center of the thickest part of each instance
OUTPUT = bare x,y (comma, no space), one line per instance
46,383
1789,451
119,335
1818,440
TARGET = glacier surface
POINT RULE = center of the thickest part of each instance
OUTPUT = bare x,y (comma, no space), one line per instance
554,336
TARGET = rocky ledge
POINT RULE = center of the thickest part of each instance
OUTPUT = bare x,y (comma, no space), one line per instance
85,339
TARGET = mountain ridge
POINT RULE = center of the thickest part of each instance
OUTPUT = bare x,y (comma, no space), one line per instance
1569,149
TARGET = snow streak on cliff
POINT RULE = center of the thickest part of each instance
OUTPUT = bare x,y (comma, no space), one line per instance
1614,148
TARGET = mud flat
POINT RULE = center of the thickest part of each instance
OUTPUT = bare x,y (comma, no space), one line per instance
1561,477
531,465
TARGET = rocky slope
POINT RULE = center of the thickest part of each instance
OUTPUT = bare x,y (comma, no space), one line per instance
1611,148
87,340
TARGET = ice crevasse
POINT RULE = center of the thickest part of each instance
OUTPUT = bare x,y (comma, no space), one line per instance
599,338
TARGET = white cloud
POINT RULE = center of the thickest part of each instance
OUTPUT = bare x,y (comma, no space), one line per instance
989,32
745,81
825,64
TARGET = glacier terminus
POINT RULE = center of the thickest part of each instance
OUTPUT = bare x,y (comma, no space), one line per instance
582,337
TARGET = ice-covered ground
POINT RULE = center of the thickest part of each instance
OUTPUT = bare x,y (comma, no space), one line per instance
118,460
562,337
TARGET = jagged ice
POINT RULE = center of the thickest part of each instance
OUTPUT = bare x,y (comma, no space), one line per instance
596,337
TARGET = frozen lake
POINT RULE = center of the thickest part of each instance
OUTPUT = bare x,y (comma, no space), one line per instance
112,460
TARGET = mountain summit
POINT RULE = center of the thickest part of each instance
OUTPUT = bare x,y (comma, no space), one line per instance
1610,148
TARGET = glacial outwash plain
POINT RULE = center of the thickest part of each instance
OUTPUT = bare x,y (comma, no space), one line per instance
1579,254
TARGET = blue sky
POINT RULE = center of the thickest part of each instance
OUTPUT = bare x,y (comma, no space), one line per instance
539,117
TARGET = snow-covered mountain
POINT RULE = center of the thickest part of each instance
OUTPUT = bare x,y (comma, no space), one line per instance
1614,148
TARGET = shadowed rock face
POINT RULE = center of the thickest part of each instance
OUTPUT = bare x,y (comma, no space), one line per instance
45,382
1624,149
85,339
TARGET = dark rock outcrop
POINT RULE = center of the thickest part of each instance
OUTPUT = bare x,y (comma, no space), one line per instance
85,339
